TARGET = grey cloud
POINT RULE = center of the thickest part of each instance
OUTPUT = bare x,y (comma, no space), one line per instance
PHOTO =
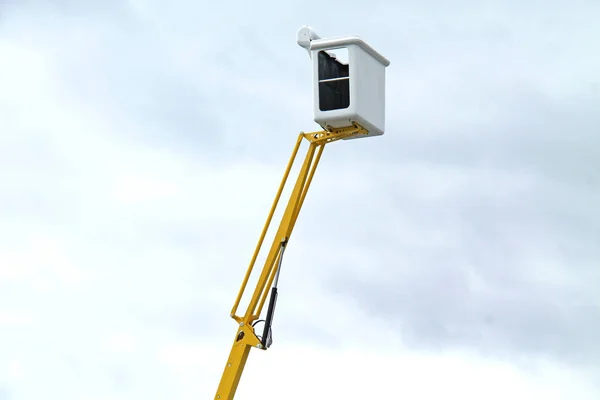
439,311
513,278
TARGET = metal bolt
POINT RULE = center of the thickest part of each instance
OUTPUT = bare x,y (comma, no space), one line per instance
229,364
241,324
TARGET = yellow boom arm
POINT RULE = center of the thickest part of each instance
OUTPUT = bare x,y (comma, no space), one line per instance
245,337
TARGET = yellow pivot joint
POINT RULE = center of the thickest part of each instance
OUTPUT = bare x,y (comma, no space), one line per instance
333,134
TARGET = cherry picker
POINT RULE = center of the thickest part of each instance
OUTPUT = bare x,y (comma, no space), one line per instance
349,103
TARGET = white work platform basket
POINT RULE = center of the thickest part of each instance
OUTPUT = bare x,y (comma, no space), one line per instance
346,90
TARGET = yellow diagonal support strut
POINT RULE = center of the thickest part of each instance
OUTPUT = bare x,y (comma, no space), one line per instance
245,337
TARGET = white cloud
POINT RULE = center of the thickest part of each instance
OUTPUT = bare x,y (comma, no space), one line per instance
120,257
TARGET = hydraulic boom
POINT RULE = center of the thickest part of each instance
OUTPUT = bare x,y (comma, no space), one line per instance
245,336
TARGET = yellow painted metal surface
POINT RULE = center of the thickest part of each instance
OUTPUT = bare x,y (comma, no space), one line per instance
245,338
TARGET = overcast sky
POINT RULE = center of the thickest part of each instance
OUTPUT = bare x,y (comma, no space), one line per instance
457,256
